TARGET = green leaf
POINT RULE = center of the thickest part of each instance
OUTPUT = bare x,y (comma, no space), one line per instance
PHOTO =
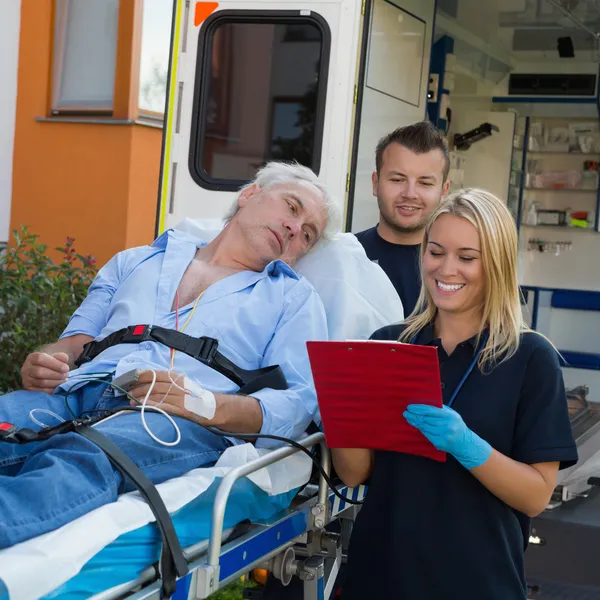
37,298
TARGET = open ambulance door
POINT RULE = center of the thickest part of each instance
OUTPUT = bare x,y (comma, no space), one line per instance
250,82
392,90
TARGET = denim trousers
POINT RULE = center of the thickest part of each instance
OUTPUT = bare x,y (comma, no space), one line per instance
44,485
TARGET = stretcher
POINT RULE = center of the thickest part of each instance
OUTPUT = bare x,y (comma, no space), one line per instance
293,542
253,508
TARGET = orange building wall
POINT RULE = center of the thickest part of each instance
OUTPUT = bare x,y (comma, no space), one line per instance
144,169
97,183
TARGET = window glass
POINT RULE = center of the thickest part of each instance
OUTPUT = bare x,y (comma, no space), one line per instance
262,97
85,50
154,60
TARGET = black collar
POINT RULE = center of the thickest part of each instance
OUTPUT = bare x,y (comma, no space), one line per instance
425,337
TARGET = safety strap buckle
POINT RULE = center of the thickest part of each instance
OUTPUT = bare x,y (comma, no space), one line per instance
202,349
7,433
136,334
23,435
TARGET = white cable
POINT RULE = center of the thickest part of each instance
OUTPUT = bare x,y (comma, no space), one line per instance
159,410
144,408
174,382
46,411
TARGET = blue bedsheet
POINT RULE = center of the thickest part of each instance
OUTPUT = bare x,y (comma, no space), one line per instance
130,554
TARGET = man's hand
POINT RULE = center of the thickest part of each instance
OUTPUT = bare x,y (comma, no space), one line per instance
446,430
164,392
229,412
43,372
168,395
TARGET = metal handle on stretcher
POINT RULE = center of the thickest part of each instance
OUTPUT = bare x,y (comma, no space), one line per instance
224,489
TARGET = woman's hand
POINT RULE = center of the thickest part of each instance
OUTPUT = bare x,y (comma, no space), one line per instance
446,430
526,488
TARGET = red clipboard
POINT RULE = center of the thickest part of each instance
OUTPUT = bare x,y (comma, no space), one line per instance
364,387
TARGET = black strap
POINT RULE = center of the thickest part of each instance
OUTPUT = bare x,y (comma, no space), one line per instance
202,348
172,561
23,435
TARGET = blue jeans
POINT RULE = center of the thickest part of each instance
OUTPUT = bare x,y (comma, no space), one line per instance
44,485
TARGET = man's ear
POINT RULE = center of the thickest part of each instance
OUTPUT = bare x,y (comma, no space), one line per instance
445,188
248,193
375,180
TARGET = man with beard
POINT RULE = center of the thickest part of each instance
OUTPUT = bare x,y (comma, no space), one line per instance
411,178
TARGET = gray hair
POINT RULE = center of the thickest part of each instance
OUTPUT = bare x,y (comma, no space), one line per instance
278,173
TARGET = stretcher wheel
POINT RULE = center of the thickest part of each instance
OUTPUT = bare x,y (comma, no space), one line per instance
284,566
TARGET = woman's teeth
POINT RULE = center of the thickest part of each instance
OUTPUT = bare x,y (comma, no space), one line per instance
449,288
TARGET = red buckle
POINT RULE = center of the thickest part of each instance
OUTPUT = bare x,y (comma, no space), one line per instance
135,334
6,426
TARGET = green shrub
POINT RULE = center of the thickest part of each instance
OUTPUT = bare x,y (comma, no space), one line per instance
234,591
37,297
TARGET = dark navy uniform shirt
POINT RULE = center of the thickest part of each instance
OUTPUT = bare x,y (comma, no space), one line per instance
430,530
399,262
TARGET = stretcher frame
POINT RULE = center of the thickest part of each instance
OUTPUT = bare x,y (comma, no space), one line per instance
292,543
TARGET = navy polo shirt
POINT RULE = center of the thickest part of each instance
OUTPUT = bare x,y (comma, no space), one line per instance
430,530
399,262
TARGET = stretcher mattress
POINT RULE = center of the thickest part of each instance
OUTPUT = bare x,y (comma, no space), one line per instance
114,543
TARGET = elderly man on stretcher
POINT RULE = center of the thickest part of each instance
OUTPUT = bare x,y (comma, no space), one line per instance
156,312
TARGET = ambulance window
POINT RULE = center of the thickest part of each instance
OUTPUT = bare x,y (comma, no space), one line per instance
259,96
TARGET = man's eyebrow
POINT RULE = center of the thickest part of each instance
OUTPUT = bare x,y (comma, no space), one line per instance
296,198
440,246
401,174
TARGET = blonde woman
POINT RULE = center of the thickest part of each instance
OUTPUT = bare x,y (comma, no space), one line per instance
457,530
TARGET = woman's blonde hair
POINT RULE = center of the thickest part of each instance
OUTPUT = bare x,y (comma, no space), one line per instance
501,313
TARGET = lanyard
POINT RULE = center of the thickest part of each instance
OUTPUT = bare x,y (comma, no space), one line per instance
468,371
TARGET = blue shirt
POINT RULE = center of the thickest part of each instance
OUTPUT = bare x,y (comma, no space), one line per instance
259,319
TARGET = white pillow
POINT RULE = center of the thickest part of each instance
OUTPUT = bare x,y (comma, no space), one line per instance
358,296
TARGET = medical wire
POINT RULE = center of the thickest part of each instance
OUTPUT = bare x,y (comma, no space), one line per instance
250,437
297,445
161,411
45,411
144,402
186,322
84,378
213,430
155,407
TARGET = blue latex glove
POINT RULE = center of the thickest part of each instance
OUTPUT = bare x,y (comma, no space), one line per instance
446,430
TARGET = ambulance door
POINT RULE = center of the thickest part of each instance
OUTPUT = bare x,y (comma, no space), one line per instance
394,89
251,82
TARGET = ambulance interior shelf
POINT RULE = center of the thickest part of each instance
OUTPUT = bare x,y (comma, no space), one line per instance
555,173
